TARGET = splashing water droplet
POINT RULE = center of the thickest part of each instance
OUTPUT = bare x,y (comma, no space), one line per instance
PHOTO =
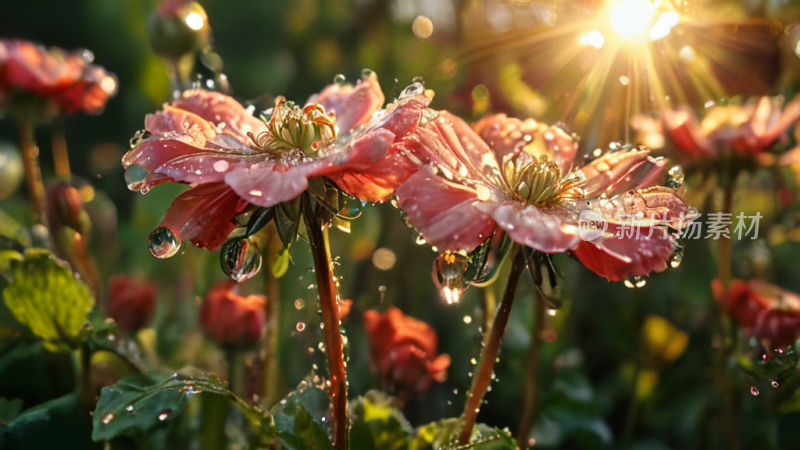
412,91
754,390
164,243
339,80
240,259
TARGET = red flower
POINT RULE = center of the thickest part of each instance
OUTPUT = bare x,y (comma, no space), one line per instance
767,312
67,80
748,130
404,352
230,319
210,140
528,183
131,302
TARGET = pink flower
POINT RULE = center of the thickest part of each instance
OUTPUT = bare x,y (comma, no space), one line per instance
769,313
527,182
404,352
744,131
67,80
209,140
230,319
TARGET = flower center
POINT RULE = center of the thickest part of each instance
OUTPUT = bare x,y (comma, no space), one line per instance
292,129
538,181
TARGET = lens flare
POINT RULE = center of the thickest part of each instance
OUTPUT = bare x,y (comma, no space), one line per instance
631,19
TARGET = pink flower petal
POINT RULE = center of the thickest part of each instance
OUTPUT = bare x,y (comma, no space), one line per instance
204,214
606,172
268,183
353,105
506,135
781,122
617,258
683,128
444,212
550,230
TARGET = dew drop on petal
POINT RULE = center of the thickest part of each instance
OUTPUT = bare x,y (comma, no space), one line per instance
164,243
221,166
240,259
339,80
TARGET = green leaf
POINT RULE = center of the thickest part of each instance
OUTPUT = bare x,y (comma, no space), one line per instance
108,337
9,409
443,434
378,423
299,417
280,264
12,232
45,296
61,423
137,404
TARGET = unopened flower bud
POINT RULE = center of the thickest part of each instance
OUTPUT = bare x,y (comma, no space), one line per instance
404,353
65,208
232,320
131,302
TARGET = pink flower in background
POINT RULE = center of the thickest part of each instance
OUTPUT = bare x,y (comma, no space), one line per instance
230,319
749,130
67,80
404,352
235,160
522,177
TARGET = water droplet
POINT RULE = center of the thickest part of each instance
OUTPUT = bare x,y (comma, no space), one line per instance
299,304
754,390
87,56
428,116
108,418
412,91
636,281
129,408
366,74
240,259
419,80
300,326
775,384
675,177
164,243
421,240
339,80
467,319
675,259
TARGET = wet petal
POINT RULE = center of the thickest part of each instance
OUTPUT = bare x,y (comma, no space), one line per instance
268,183
204,214
606,172
217,109
655,206
353,105
617,258
444,212
549,230
506,135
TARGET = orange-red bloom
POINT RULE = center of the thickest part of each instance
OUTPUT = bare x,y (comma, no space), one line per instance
769,313
404,352
232,320
131,301
67,80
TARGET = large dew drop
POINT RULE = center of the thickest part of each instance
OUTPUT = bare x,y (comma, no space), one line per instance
411,91
240,259
164,243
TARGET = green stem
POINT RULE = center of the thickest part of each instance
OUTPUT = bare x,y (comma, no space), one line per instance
483,373
60,153
269,376
30,164
237,374
329,304
86,374
530,412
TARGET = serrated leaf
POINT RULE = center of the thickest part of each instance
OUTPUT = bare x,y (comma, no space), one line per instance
138,403
45,296
378,424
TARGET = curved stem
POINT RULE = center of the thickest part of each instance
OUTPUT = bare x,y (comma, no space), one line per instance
329,304
530,411
491,348
60,153
30,164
